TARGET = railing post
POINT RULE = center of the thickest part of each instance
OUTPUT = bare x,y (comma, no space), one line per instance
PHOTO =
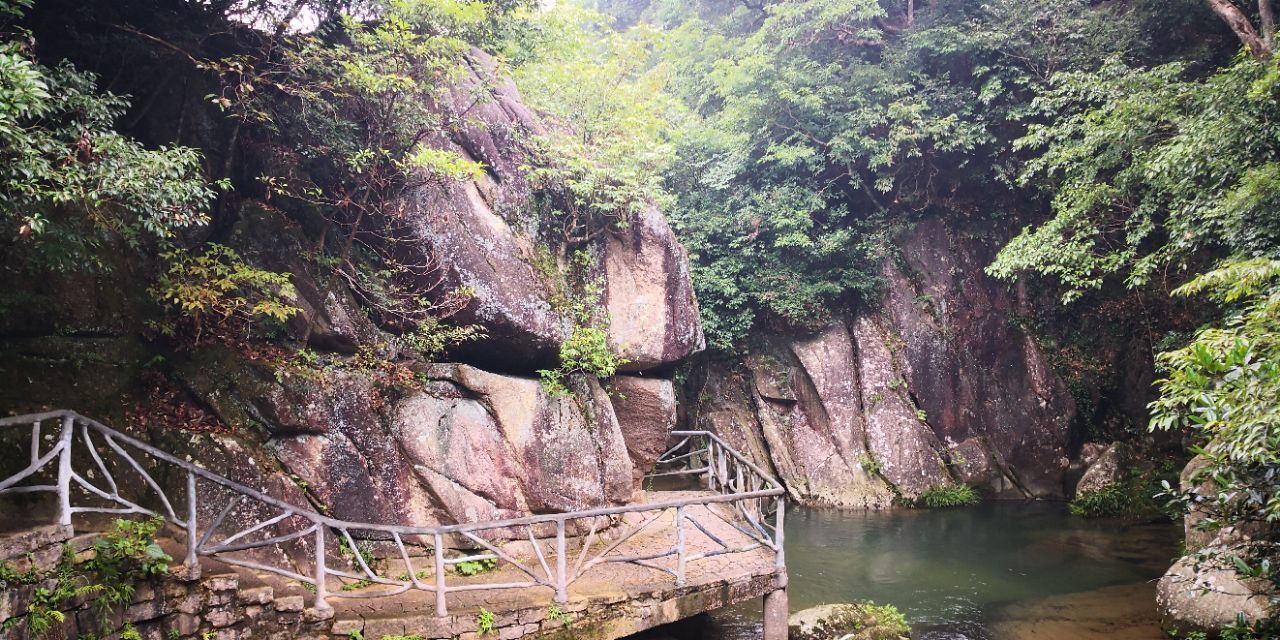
679,546
779,538
775,615
711,464
441,608
322,587
722,471
562,579
192,563
35,442
64,471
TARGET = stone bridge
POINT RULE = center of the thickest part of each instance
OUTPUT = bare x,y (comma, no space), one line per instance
708,534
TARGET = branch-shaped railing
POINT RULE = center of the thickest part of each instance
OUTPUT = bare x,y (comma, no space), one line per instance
245,527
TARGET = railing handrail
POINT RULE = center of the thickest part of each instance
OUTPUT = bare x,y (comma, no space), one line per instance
715,469
465,527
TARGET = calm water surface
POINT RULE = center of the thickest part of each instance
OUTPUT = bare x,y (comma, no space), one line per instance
999,571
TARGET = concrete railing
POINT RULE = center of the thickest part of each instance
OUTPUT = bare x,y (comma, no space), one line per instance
88,465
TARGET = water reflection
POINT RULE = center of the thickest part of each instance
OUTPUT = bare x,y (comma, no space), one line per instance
1000,571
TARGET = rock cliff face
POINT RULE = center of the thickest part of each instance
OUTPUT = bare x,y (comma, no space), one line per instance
433,443
936,386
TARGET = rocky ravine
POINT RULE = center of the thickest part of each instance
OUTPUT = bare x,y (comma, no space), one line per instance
456,443
937,386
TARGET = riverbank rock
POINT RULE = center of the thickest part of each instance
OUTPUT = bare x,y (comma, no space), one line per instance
1207,594
796,407
1202,591
1108,469
905,449
970,367
848,621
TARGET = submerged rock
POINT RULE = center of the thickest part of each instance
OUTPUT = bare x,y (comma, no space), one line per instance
1121,612
848,622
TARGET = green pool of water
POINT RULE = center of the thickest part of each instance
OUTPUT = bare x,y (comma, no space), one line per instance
999,571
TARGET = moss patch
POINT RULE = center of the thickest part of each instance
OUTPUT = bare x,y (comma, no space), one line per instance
861,621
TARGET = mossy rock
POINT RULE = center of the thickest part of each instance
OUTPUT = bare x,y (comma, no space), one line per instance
849,621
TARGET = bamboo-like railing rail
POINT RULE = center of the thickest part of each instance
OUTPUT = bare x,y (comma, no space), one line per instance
88,483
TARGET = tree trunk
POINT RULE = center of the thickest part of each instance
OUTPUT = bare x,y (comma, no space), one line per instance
1239,23
1268,18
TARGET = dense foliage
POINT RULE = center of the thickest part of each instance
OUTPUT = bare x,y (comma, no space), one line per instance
70,184
795,139
1160,173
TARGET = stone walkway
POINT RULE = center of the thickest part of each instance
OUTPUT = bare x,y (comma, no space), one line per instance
609,601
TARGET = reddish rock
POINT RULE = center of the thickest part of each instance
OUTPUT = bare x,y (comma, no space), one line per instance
905,449
649,295
797,411
971,368
720,402
646,412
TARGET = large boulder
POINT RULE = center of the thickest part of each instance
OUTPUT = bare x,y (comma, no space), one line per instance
646,412
484,240
1202,591
1108,469
1206,594
649,295
457,445
490,446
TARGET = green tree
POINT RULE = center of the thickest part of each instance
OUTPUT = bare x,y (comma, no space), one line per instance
70,184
